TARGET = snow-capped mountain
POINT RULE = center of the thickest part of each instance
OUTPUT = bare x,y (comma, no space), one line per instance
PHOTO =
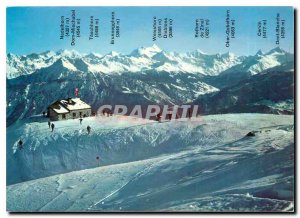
26,64
148,52
149,58
260,61
145,76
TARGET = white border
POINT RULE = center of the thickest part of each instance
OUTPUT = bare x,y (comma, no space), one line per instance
6,3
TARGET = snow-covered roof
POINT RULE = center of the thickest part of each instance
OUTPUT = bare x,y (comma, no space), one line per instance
66,105
61,110
74,104
58,108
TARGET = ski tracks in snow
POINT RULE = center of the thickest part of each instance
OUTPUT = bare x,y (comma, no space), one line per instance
60,192
134,178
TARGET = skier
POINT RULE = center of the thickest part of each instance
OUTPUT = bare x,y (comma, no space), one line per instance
49,123
80,120
20,144
88,129
52,126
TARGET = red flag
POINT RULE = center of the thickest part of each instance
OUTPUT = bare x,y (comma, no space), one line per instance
76,92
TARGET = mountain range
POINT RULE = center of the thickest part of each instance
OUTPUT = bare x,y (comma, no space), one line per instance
150,58
146,76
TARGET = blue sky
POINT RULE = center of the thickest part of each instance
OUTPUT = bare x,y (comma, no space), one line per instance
36,29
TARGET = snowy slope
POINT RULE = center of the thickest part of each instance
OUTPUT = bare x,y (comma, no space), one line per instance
115,139
212,167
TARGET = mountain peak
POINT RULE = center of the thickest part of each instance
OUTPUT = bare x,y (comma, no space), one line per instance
113,54
33,56
10,55
196,53
93,55
63,62
147,51
259,52
228,55
155,47
276,50
201,52
68,53
48,52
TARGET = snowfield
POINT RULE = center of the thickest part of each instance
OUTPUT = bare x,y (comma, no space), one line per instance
205,164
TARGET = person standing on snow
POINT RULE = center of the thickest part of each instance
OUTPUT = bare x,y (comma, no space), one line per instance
52,126
80,120
49,124
88,129
20,144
